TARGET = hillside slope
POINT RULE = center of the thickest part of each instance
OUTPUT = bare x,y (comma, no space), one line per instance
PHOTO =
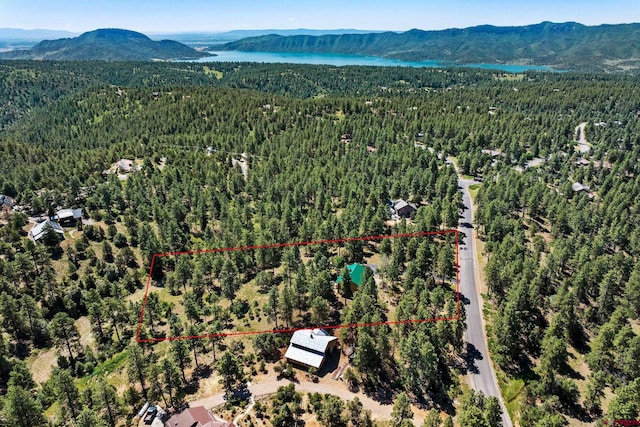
106,45
562,45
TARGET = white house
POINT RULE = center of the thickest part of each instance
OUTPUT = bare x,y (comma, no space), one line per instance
38,231
309,347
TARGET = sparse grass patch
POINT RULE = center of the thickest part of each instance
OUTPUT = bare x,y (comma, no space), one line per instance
110,365
210,71
473,192
511,389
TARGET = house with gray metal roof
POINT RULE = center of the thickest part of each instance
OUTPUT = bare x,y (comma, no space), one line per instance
309,347
39,230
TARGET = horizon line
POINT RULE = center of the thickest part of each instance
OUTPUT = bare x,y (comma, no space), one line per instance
213,31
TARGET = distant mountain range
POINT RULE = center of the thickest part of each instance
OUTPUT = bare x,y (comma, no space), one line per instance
567,45
106,45
199,38
20,34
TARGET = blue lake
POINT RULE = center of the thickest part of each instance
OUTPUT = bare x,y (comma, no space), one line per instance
344,59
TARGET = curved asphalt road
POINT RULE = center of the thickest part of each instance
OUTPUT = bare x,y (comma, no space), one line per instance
479,368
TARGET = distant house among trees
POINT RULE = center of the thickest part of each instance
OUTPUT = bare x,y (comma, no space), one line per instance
356,275
124,165
46,232
309,347
197,416
6,205
402,209
66,217
579,188
6,202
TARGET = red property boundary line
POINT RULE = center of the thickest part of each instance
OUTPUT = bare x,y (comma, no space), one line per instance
284,245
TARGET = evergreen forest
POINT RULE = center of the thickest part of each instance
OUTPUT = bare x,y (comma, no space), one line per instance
239,154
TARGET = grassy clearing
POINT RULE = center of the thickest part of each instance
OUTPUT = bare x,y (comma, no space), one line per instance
511,389
41,364
110,365
210,71
107,368
509,77
473,192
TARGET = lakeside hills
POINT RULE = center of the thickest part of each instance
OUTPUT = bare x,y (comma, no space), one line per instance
106,45
211,38
568,45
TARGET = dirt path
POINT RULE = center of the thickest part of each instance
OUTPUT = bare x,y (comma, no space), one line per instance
248,409
243,164
583,146
378,410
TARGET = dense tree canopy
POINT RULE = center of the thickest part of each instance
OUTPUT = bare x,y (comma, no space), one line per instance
326,149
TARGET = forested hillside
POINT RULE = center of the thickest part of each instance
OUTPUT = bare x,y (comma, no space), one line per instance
106,45
326,148
566,45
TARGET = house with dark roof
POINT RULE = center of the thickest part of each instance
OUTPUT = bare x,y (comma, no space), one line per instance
40,230
197,416
356,273
309,347
402,209
66,217
6,201
6,206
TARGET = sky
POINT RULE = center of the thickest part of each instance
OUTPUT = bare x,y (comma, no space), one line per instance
158,16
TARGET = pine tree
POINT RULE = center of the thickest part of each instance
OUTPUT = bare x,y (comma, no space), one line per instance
21,409
401,409
65,334
137,364
231,371
66,393
180,355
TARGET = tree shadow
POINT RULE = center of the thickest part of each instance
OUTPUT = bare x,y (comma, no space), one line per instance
568,371
192,385
202,371
56,253
522,367
579,340
379,393
471,355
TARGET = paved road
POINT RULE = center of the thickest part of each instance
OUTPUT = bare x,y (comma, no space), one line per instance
480,371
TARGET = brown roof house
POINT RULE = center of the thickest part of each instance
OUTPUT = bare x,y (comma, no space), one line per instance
196,417
309,347
402,209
